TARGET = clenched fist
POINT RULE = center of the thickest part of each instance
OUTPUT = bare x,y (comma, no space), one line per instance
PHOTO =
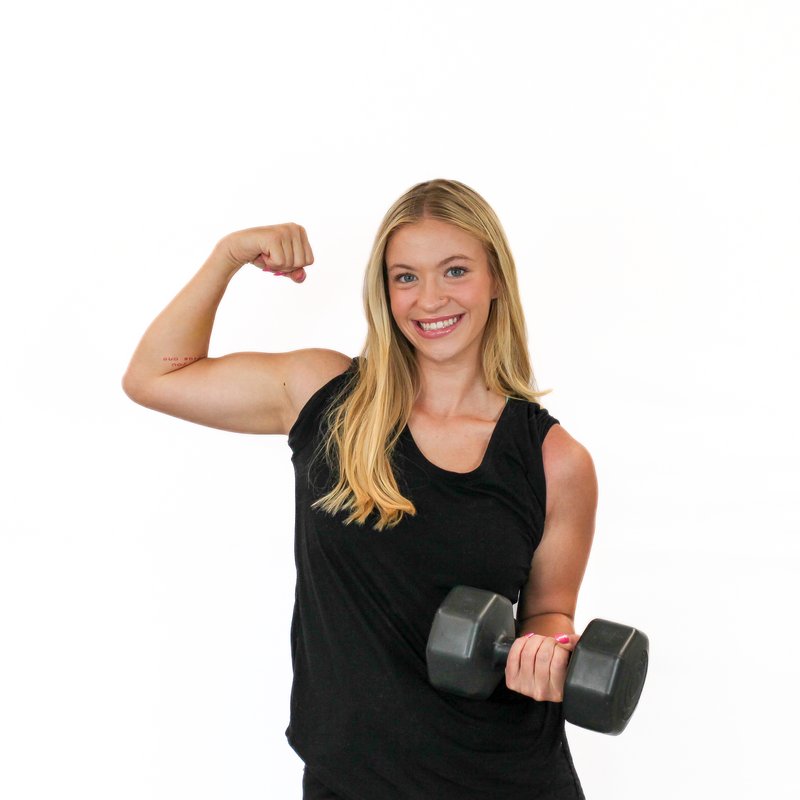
537,665
280,249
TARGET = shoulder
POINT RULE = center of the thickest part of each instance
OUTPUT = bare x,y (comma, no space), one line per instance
569,470
310,370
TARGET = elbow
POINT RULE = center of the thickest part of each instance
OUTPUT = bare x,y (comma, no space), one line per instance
131,389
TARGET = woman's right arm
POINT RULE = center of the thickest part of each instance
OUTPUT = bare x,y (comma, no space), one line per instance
249,392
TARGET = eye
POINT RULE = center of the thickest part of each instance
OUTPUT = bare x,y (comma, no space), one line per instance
409,274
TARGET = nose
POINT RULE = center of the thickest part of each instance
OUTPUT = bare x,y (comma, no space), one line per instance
431,295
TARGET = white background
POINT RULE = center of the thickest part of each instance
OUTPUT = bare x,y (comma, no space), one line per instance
643,159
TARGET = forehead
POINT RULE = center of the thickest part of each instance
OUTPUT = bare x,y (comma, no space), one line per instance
429,241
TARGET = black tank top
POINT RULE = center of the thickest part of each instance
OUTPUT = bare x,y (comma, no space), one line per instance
363,714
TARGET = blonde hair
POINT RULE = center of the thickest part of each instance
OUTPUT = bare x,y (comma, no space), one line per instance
365,419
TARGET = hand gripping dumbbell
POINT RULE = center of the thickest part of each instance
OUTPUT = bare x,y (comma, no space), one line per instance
471,637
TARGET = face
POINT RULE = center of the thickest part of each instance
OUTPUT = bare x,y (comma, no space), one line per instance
426,283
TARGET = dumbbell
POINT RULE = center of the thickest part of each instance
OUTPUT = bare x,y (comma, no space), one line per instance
471,637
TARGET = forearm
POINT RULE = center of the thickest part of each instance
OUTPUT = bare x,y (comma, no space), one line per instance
547,625
181,333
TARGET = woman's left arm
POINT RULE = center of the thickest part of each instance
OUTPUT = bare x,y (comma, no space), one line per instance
537,663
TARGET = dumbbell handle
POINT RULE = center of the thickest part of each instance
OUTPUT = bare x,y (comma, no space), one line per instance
500,651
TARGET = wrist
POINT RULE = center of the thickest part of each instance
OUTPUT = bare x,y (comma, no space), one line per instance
222,261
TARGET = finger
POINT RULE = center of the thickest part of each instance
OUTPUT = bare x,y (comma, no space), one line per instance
541,671
527,677
309,255
568,640
513,663
558,673
277,254
297,275
298,251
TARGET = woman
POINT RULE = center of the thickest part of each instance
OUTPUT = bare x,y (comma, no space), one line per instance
424,463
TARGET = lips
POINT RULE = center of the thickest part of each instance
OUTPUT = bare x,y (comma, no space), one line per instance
436,333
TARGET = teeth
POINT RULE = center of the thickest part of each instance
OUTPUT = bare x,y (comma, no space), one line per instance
436,325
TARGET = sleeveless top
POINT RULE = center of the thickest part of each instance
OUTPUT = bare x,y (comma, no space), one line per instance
363,715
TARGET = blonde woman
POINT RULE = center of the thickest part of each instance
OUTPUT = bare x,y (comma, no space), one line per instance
423,463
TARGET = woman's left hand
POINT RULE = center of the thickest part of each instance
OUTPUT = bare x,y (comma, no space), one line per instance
537,666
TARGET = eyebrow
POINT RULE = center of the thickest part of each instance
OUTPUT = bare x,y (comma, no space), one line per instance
441,263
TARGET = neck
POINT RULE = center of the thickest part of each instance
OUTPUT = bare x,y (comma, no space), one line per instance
453,390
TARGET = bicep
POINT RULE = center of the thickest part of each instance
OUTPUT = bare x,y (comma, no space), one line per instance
244,392
560,560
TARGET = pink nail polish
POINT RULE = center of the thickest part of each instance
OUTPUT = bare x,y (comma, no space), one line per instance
562,638
528,635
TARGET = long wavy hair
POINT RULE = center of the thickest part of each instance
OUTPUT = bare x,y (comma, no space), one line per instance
367,416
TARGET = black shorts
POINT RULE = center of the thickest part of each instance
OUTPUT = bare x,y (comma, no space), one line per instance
314,790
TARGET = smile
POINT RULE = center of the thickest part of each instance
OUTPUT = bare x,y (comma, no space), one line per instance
439,329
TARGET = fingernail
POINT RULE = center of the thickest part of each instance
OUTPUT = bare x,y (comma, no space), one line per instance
562,638
528,635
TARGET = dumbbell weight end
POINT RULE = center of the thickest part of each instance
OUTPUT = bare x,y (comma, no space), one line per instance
605,676
469,642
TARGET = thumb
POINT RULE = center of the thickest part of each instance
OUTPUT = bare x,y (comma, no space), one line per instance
568,640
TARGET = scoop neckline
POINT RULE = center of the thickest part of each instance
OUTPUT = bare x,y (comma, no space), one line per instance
448,473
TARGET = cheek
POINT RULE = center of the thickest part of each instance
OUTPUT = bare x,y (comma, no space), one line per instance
397,303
